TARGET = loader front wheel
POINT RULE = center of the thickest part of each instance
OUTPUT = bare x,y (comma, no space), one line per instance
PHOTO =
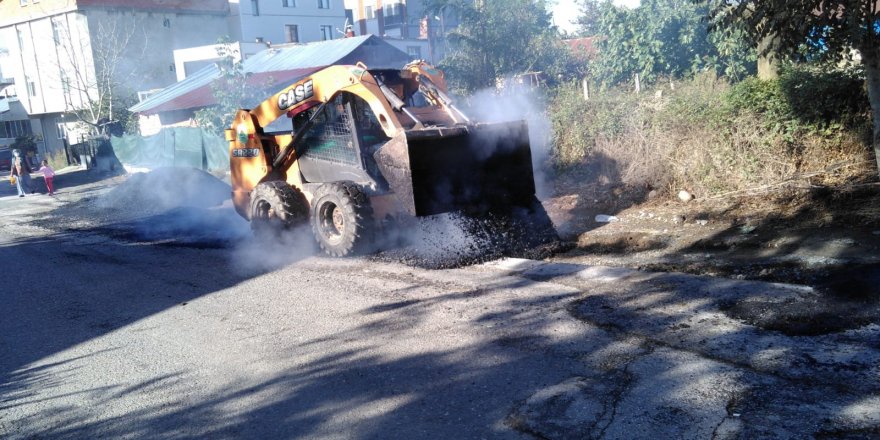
342,219
277,206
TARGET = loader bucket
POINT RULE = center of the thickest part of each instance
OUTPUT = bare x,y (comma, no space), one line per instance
477,168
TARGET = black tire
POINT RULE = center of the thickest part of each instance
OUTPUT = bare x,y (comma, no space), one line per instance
342,219
276,207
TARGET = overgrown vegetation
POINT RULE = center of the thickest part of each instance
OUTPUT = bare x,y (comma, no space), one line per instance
57,160
702,122
710,137
499,38
662,38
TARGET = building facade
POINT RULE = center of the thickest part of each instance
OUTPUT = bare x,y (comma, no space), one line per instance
406,24
60,53
14,120
287,21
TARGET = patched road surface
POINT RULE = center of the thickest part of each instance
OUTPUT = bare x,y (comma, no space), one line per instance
107,337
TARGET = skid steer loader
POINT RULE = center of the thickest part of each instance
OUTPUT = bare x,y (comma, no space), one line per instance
368,149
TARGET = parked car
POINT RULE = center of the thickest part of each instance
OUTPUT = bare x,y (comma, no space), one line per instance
5,159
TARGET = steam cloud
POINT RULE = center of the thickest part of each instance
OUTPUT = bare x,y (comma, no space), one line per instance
488,105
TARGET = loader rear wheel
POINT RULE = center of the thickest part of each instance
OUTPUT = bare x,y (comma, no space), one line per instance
342,219
277,206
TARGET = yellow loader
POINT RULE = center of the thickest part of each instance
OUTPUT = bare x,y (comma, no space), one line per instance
367,150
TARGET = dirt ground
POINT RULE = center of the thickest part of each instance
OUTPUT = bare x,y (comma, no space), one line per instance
827,238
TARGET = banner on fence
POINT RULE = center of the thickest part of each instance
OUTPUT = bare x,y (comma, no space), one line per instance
173,146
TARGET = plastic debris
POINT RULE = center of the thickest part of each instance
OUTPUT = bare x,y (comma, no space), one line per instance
604,218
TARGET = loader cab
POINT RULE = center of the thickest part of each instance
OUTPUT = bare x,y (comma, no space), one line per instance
340,141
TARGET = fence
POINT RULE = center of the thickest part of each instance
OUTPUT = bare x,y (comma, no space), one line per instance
177,146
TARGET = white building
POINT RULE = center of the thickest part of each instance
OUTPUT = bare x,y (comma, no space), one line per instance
13,118
61,52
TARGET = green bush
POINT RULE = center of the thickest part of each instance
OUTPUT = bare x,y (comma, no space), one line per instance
814,96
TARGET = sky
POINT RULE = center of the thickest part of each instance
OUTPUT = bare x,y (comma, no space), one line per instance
566,11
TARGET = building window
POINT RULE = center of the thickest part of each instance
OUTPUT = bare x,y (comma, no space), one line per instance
65,83
14,129
60,129
22,2
292,32
56,30
288,3
323,4
368,13
414,52
31,86
326,32
255,7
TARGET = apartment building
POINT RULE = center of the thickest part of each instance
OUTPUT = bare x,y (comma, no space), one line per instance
59,52
255,25
13,118
405,24
288,21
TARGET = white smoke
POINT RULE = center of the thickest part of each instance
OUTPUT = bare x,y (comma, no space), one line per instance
256,254
490,105
187,206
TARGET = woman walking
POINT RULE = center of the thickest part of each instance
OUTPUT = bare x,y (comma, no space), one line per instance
21,170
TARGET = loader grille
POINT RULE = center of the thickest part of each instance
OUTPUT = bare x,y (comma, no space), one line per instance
330,138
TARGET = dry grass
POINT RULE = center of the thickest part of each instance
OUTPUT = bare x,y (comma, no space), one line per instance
690,138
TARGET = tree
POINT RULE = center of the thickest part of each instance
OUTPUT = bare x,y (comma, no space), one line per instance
97,74
588,20
26,143
232,90
665,38
830,29
497,38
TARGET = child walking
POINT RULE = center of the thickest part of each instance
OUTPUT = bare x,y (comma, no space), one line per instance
48,176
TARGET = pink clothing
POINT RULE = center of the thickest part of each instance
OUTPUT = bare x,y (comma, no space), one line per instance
47,171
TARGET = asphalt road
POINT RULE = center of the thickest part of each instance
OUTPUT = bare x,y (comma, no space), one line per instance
107,337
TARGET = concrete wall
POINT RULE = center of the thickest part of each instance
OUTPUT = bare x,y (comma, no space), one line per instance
149,60
269,25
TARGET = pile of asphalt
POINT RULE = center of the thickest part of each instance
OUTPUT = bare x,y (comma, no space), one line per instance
174,206
167,188
454,240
